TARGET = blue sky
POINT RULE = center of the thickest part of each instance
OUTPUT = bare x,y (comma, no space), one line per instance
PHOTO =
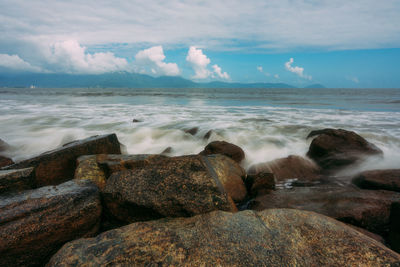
300,42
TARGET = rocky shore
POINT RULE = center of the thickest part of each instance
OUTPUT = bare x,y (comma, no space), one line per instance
86,204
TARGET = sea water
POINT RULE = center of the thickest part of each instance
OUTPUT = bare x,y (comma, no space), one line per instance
266,123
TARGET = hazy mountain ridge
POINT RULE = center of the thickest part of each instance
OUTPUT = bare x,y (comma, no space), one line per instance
121,79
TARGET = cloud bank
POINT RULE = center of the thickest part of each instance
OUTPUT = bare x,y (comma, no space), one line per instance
297,70
154,59
199,62
15,63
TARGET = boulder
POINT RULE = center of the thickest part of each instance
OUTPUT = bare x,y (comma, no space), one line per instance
224,148
4,146
333,149
59,165
363,208
291,167
36,223
260,183
136,121
192,131
379,179
208,135
97,168
277,237
16,180
169,187
4,161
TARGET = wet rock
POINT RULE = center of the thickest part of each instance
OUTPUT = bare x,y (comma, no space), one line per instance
333,149
136,121
291,167
89,169
260,183
4,146
379,179
230,174
36,223
363,208
277,237
167,151
394,232
170,187
59,165
192,131
208,135
378,238
16,180
4,161
224,148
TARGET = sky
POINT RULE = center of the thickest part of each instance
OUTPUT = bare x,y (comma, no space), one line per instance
336,43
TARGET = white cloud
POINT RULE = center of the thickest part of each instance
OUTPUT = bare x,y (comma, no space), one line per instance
154,58
199,62
297,70
14,62
285,24
218,71
70,57
260,68
276,76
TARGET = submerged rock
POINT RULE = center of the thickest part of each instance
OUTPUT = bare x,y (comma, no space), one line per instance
379,179
291,167
170,187
16,180
192,131
224,148
58,165
4,161
4,146
363,208
167,151
333,149
277,237
208,135
36,223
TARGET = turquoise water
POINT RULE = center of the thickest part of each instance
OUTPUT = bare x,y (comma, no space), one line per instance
266,123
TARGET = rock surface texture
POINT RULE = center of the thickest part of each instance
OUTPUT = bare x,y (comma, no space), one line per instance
289,168
363,208
170,187
277,237
333,149
58,165
16,180
36,223
224,148
379,179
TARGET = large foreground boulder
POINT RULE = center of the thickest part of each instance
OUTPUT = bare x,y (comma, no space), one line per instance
379,179
224,148
16,180
173,187
291,167
278,237
333,149
363,208
58,165
36,223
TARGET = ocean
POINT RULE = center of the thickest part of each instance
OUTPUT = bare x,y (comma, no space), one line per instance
266,123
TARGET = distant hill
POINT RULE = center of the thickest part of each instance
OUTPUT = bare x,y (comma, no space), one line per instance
117,80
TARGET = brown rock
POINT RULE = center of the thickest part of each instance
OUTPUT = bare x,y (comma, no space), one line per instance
16,180
192,131
4,146
230,174
4,161
290,167
260,183
224,148
59,165
333,149
278,237
167,151
379,179
171,187
208,135
363,208
89,169
36,223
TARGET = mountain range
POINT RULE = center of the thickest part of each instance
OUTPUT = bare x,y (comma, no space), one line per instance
121,79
